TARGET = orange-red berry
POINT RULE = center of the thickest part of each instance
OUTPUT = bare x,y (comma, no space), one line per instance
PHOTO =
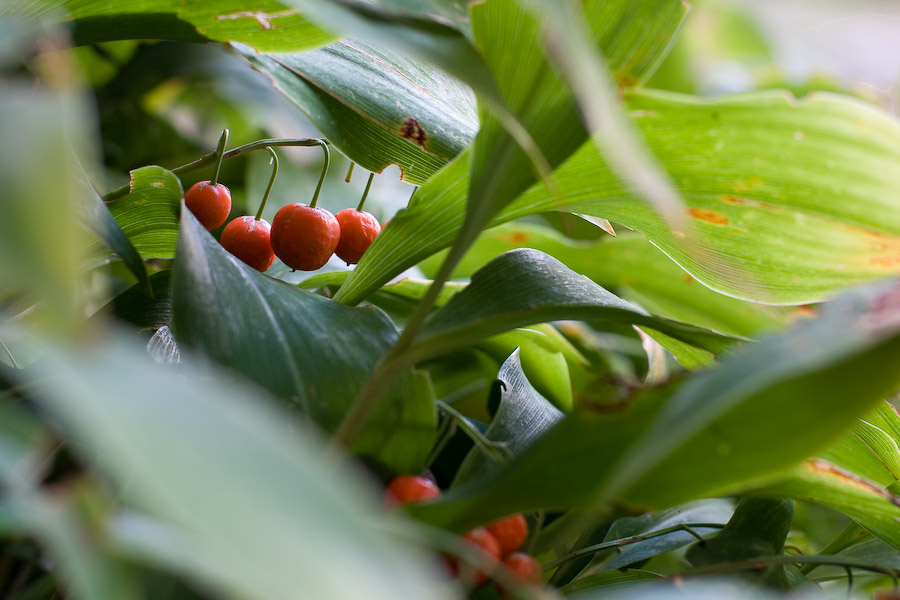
489,556
411,488
524,567
358,230
248,239
209,203
303,237
510,532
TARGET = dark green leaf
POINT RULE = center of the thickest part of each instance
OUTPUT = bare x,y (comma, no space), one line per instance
305,349
135,307
522,417
378,107
526,286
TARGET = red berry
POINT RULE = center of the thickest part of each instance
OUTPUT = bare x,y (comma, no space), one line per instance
304,238
358,231
411,488
489,553
209,203
511,532
248,239
524,567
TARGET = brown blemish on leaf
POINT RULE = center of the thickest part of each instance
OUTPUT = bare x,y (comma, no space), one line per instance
822,467
518,237
413,132
708,216
158,184
263,18
753,203
688,279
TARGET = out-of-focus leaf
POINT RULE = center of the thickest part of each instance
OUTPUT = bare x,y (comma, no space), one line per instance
135,307
195,449
305,349
527,286
713,432
522,417
822,482
607,582
266,25
633,268
149,213
798,196
376,106
873,552
684,589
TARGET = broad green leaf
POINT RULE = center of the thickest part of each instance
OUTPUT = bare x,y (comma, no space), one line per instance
522,417
630,266
257,507
683,589
135,307
305,349
525,286
266,25
607,582
822,482
873,552
798,197
867,451
745,419
148,214
99,220
378,107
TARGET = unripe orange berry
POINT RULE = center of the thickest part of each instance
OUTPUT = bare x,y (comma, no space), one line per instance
489,551
511,532
524,567
209,203
358,230
303,237
248,239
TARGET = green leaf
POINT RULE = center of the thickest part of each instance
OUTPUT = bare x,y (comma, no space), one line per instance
711,433
525,286
378,107
797,197
874,552
197,449
148,214
522,417
630,266
305,349
135,307
867,451
874,508
266,25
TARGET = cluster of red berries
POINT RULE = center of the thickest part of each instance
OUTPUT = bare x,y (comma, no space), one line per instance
497,542
303,237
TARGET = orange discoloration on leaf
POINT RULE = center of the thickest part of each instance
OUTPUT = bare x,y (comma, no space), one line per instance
823,467
518,237
158,184
708,216
753,203
414,132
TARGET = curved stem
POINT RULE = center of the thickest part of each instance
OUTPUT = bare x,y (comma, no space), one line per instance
274,163
782,559
208,159
12,359
315,197
220,156
365,193
349,172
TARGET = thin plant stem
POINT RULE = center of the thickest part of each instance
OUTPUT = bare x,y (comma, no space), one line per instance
220,156
783,559
274,163
588,550
365,195
349,172
209,159
315,197
489,447
12,359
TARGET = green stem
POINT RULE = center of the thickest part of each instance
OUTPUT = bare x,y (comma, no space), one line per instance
491,448
274,163
362,200
782,559
315,197
587,550
349,172
220,156
208,159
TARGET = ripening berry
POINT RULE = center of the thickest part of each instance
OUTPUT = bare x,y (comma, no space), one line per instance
524,567
303,237
510,532
209,203
411,488
489,556
248,239
358,230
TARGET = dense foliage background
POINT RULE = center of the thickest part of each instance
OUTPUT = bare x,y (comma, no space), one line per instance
657,317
